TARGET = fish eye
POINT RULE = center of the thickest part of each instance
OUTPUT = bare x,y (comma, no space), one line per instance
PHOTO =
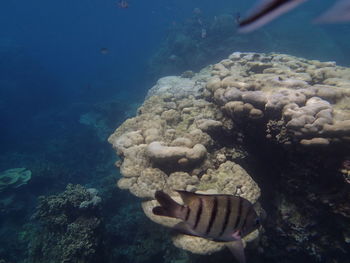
257,221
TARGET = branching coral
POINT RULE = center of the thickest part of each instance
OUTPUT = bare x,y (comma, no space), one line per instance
71,227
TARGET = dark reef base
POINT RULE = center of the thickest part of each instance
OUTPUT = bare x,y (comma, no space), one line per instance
307,202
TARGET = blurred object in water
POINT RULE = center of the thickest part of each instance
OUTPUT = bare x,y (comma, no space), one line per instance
268,10
197,11
104,51
237,17
123,4
204,33
265,12
338,13
172,57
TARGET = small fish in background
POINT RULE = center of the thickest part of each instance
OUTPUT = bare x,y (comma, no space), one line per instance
268,10
123,4
197,11
217,217
173,57
203,33
104,51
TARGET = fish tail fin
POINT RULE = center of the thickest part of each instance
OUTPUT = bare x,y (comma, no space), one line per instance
237,249
168,207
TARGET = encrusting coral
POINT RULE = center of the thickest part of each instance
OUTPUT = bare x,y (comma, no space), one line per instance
183,135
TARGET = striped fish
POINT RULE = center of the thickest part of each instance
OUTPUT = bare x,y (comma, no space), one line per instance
216,217
268,10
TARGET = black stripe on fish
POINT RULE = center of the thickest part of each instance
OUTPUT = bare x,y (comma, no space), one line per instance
227,215
213,215
193,208
246,217
199,213
267,12
245,212
269,8
238,218
187,213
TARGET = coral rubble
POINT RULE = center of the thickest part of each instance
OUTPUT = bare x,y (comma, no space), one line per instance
190,133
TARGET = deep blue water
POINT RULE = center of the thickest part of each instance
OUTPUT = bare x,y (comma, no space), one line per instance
52,71
50,51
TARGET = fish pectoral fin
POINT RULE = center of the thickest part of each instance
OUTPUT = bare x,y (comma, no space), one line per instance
237,235
185,229
237,249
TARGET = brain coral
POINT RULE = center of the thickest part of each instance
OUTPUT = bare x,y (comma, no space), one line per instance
183,134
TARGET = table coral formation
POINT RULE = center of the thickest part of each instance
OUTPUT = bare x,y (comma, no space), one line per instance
14,178
187,133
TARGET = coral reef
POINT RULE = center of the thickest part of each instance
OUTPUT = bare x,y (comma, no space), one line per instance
14,178
307,99
71,227
169,146
202,135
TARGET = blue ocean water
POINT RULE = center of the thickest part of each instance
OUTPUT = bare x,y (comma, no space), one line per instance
72,71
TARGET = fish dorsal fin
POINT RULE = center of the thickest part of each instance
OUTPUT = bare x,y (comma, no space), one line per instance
187,197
